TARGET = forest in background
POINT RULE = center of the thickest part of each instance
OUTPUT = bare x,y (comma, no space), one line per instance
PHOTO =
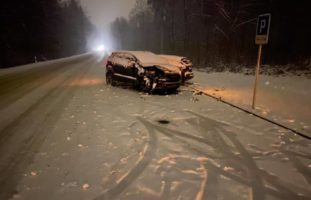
218,32
41,30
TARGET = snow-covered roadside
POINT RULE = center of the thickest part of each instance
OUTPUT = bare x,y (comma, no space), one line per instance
286,100
21,68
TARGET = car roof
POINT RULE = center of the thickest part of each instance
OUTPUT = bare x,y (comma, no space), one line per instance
172,56
146,58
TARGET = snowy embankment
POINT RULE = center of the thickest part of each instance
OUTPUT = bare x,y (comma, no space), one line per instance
286,100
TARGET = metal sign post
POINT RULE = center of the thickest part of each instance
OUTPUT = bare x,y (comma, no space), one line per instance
262,37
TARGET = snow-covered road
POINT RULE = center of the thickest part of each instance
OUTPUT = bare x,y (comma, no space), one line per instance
64,134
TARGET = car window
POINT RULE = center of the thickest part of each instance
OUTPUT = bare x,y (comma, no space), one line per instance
123,59
129,60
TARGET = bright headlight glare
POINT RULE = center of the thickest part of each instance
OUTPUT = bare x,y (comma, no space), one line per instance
100,48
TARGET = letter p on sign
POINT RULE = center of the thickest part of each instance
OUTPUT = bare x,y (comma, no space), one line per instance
263,29
262,25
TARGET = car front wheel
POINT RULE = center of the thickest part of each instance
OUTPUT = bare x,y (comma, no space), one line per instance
146,85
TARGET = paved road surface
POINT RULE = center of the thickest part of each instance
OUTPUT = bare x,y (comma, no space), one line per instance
64,135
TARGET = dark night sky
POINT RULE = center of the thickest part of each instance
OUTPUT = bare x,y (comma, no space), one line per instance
102,12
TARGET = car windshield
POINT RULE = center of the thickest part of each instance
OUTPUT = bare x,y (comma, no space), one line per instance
148,58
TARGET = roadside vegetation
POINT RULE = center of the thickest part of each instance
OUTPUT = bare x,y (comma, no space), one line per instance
220,34
41,30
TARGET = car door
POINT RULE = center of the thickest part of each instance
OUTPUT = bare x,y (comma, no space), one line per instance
123,67
130,69
118,63
118,66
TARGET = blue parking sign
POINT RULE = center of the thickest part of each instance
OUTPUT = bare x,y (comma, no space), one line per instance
263,29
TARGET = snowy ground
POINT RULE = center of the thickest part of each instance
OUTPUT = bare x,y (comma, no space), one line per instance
65,135
286,100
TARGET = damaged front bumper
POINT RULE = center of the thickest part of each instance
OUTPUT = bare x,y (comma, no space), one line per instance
164,84
188,75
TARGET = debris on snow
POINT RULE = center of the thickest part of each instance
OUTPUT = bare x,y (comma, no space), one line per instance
33,173
125,134
86,186
113,172
82,146
175,185
16,196
194,99
137,115
132,124
225,177
285,159
71,184
253,146
106,164
219,90
228,169
65,154
275,145
198,93
148,191
202,159
305,127
282,131
267,153
276,154
124,160
190,172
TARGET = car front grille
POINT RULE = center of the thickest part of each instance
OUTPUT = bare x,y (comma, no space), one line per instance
172,77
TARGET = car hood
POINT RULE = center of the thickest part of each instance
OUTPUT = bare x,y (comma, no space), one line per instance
179,61
165,68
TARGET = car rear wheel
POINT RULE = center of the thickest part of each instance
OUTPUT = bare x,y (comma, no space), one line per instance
109,79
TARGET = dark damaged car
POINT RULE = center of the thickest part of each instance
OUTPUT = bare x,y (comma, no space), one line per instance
144,70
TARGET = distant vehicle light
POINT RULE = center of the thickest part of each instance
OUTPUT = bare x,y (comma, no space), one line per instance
100,48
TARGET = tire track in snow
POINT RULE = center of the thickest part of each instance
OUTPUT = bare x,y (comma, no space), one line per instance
304,171
126,180
259,191
252,169
256,175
